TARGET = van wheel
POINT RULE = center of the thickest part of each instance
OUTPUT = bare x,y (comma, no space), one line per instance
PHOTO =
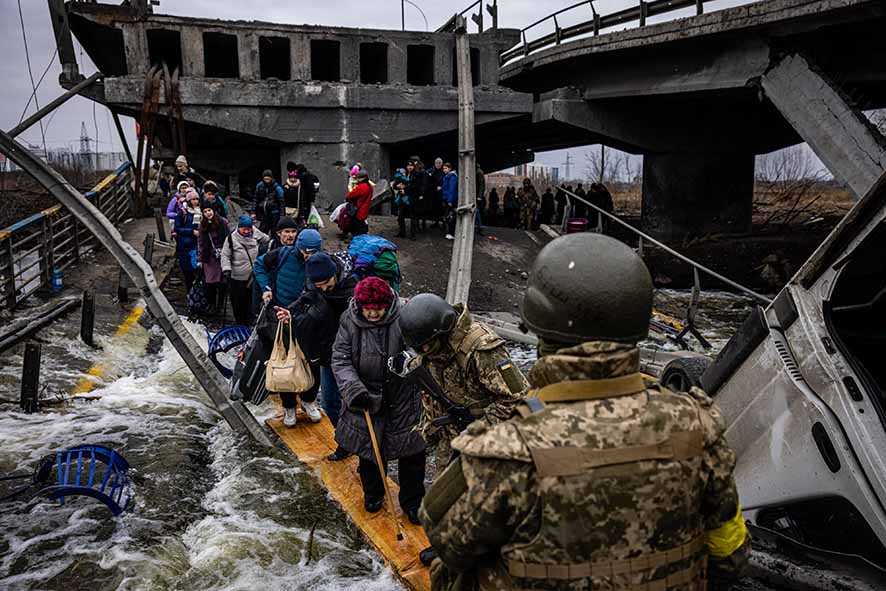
683,373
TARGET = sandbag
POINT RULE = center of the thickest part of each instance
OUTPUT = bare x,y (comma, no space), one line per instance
287,371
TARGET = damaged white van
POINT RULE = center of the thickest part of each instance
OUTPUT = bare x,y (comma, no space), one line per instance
801,385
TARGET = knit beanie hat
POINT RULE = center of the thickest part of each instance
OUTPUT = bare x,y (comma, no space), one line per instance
267,172
309,240
286,222
373,293
182,185
244,221
320,267
181,160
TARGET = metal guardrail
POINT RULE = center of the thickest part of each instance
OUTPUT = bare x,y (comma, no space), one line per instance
53,239
646,237
639,12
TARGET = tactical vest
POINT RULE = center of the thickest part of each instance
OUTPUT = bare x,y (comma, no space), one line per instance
478,337
620,481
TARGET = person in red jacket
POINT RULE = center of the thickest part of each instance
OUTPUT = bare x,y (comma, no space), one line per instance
361,197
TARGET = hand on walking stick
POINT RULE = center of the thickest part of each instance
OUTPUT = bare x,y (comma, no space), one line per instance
381,469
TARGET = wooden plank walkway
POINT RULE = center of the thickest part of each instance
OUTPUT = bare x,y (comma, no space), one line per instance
311,443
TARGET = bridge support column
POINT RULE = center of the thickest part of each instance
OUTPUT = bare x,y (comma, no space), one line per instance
321,159
696,194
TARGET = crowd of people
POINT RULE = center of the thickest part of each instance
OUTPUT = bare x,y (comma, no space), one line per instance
216,254
525,209
420,195
582,473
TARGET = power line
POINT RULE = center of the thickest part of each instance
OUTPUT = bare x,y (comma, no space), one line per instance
21,19
39,82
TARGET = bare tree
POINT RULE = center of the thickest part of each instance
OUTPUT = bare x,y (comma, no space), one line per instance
789,183
607,165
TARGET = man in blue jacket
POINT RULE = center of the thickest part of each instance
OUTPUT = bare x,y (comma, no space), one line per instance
269,202
280,274
450,198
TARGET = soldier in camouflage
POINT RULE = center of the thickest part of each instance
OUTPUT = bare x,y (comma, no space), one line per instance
467,360
606,480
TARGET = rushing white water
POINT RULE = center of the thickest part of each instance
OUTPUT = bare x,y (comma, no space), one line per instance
211,511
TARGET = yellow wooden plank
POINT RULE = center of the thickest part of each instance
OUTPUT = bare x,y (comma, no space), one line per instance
311,443
85,385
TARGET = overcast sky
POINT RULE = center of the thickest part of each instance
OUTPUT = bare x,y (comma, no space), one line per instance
63,128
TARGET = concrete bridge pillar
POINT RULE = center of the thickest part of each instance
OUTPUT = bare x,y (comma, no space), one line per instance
696,194
322,159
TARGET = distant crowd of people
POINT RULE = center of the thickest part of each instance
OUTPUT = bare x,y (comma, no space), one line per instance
420,195
523,208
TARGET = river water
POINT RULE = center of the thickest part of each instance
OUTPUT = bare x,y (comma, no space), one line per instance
211,511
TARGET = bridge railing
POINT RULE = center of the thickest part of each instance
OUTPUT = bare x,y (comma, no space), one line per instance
642,10
53,239
642,236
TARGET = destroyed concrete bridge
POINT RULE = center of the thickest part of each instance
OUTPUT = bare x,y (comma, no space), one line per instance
698,97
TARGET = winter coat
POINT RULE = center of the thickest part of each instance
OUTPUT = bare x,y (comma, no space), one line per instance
316,314
450,188
400,187
360,364
281,270
547,203
418,190
173,207
208,241
185,239
493,200
239,253
435,179
299,197
361,197
218,206
190,174
269,203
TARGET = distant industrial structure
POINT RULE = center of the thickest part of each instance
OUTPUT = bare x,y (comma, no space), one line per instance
87,159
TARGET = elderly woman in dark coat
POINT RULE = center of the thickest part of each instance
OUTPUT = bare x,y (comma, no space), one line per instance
368,334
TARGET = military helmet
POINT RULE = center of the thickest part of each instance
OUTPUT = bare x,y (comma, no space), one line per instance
424,317
588,287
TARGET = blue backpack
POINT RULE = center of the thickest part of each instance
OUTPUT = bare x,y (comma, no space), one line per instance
365,250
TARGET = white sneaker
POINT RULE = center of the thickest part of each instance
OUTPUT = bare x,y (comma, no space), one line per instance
312,411
450,237
289,417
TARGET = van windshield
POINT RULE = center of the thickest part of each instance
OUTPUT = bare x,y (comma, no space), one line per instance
857,313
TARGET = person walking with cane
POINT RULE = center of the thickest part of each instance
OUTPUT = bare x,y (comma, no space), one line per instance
369,333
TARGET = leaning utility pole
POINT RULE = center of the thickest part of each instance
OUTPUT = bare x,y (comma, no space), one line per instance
463,246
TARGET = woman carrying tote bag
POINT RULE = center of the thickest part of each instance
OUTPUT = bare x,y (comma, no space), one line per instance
289,374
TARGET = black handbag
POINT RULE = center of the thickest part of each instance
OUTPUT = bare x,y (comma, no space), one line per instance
198,303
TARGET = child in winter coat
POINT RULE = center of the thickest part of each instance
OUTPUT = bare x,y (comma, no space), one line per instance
450,198
186,231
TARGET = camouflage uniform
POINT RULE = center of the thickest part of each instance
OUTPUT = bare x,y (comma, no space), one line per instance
529,202
474,371
615,484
